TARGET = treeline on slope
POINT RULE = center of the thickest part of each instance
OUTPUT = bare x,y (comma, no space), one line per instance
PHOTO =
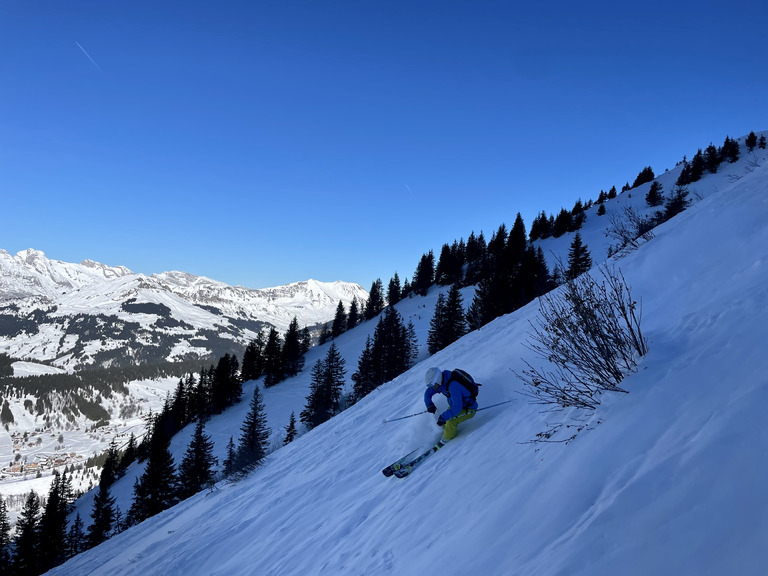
82,392
710,159
509,271
628,226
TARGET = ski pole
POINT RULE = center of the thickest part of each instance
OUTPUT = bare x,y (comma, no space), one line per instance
493,405
385,421
403,417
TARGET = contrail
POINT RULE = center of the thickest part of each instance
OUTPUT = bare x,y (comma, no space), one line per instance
89,58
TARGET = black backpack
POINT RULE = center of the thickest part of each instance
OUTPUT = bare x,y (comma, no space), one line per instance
463,378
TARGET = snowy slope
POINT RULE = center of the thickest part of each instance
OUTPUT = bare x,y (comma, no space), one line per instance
669,479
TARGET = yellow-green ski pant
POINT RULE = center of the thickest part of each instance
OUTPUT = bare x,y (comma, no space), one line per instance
451,427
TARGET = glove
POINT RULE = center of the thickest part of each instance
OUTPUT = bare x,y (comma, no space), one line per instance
431,408
440,421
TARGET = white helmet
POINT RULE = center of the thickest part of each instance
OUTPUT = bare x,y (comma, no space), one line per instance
434,377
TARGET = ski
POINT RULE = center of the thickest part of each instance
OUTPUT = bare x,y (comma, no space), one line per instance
389,470
405,468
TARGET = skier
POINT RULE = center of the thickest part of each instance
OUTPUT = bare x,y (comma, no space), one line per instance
462,404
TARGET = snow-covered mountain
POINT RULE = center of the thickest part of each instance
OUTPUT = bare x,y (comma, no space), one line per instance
89,314
668,479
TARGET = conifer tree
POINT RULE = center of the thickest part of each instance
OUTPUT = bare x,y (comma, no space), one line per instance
563,223
654,197
697,167
119,525
579,259
448,270
391,348
407,291
305,342
476,254
367,377
544,282
353,318
729,150
375,303
394,290
157,488
577,216
230,462
535,233
455,316
128,457
676,203
318,402
196,470
226,389
424,275
448,323
751,141
711,158
292,353
761,142
76,541
497,243
339,325
53,523
254,435
602,197
200,399
111,465
273,358
180,405
501,288
5,539
324,399
290,430
253,363
645,175
685,174
103,516
437,326
26,561
413,344
489,301
517,242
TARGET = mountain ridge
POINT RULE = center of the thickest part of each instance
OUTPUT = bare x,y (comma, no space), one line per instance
39,297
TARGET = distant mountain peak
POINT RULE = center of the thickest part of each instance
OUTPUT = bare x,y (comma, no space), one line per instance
174,315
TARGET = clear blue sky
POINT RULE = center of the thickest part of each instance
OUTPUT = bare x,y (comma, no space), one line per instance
266,142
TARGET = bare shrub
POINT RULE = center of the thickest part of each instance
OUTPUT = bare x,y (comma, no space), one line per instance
629,227
589,334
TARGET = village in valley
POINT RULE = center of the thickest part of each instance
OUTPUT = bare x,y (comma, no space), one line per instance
36,462
32,450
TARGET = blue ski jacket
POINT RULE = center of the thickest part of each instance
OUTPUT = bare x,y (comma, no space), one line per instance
458,396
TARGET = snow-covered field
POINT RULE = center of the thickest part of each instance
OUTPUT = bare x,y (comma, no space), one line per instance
32,449
21,369
666,480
